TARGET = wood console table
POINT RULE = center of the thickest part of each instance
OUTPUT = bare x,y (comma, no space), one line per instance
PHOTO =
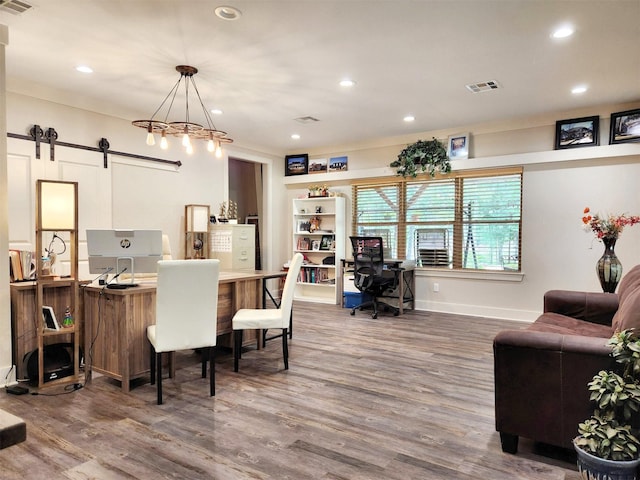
116,323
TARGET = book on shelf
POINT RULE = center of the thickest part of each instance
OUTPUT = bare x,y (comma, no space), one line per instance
22,265
315,275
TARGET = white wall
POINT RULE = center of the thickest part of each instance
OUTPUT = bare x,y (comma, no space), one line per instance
557,253
130,193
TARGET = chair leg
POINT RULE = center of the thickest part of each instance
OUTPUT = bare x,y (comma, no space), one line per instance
285,349
152,361
159,376
203,359
291,323
212,374
237,337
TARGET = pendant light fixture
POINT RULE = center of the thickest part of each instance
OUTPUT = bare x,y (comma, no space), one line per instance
186,129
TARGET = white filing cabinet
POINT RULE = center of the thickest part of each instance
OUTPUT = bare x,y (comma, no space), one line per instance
234,245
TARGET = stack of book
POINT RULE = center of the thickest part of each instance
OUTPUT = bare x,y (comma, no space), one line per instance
22,265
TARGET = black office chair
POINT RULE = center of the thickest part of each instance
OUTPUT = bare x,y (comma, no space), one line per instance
369,275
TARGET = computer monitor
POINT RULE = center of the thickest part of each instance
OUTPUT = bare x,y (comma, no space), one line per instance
118,251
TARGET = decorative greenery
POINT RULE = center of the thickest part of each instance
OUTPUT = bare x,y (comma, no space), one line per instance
609,226
427,156
609,433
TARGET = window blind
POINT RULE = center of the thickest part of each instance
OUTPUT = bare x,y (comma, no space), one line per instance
466,220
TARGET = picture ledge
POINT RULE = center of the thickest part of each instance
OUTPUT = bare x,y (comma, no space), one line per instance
515,159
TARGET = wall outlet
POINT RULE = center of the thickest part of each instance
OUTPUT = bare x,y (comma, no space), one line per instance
436,287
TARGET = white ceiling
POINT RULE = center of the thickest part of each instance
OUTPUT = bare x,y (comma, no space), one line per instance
283,60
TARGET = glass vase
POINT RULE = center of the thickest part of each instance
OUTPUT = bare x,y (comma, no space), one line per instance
609,267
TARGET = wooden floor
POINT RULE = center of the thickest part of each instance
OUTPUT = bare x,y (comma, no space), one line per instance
407,397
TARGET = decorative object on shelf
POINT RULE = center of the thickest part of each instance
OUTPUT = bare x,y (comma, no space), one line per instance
233,212
606,445
222,217
608,229
67,322
315,224
458,146
316,191
197,219
422,156
578,132
296,164
185,128
625,127
304,226
338,164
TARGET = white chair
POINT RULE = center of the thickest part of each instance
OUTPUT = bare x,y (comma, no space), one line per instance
260,319
186,314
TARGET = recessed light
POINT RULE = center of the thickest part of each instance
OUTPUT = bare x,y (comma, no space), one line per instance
295,136
409,118
563,32
84,69
216,111
347,83
578,90
226,12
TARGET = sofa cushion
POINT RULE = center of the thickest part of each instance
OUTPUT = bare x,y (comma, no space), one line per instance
629,283
628,314
557,323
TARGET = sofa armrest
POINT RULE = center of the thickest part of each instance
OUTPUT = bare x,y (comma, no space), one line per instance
541,381
592,307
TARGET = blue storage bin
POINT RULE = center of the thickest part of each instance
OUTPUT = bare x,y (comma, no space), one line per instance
353,299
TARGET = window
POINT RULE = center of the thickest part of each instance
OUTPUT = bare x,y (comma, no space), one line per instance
466,220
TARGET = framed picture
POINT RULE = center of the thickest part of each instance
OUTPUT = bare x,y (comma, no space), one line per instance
325,243
50,321
296,164
338,164
318,165
303,243
315,244
625,127
304,225
458,146
578,132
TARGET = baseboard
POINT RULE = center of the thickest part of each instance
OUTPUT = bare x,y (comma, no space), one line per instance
478,311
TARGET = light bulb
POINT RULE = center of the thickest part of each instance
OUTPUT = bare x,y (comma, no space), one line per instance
189,149
185,140
150,140
210,146
218,150
164,144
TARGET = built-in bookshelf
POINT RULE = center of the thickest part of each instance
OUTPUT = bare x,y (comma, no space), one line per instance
319,234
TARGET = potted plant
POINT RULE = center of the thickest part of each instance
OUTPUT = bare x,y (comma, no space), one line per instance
607,443
424,156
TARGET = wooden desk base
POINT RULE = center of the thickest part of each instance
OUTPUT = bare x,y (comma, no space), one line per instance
116,323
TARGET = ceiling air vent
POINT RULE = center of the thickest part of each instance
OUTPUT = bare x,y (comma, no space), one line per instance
483,86
307,119
14,6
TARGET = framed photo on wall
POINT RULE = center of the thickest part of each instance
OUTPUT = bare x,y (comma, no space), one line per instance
458,146
578,132
318,165
296,164
338,164
625,127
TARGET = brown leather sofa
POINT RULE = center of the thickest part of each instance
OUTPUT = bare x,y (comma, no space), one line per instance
541,371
